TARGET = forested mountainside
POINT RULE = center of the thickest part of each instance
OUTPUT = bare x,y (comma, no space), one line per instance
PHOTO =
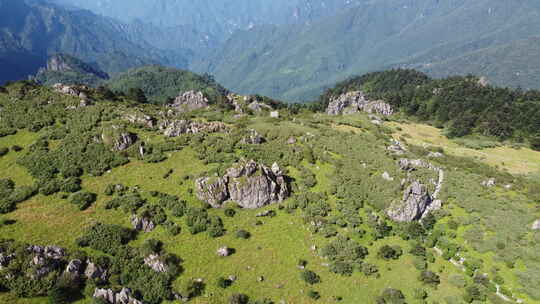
241,199
32,30
463,105
296,63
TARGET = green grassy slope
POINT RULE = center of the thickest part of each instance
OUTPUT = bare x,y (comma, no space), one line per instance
335,169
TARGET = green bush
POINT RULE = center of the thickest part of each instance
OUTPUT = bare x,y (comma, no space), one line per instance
314,294
310,277
243,234
83,199
3,151
110,239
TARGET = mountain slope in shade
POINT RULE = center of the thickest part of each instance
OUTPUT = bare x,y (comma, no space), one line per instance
30,31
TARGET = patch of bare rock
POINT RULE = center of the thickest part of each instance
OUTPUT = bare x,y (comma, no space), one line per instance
357,101
249,184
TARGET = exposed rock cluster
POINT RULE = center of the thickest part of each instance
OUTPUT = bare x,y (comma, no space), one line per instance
155,262
93,271
190,101
142,224
121,141
174,128
248,183
356,101
140,119
111,297
489,183
416,199
71,90
253,138
536,225
417,202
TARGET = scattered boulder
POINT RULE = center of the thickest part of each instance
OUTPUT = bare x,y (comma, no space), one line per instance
224,252
122,297
142,224
416,200
256,106
253,138
67,90
536,225
190,101
74,267
397,148
356,101
386,176
248,183
291,140
174,128
489,183
51,252
155,262
274,114
435,155
95,272
140,119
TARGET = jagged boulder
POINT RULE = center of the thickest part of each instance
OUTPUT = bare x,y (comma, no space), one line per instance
190,101
155,262
224,252
67,90
536,225
212,190
117,138
51,252
253,138
356,101
95,272
489,183
248,183
123,297
74,267
142,224
140,119
174,128
416,200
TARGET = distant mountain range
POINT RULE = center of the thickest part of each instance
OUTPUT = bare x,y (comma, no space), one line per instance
486,37
291,50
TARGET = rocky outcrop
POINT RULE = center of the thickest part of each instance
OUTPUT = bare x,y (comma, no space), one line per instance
123,141
397,148
155,262
74,267
75,91
356,101
95,272
253,138
174,128
489,183
142,224
123,297
249,184
416,200
140,119
536,225
51,252
223,252
190,101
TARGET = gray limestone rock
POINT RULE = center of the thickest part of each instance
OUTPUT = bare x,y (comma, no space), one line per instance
155,262
536,225
248,183
356,101
416,200
174,128
190,101
142,224
95,272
